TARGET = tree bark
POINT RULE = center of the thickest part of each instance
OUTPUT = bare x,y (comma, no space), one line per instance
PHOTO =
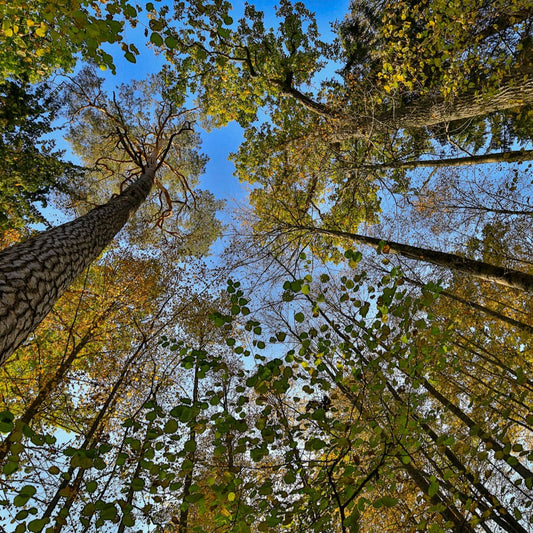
513,92
498,157
35,273
478,307
479,269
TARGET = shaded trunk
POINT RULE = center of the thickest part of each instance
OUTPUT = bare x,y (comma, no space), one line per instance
91,437
497,511
513,92
127,502
478,307
43,394
499,157
187,483
35,273
479,269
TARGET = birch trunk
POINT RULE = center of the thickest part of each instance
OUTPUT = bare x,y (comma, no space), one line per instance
35,273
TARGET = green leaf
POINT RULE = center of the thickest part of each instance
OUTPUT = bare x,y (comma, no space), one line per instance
171,426
299,317
389,501
25,493
137,484
38,524
171,42
108,512
128,519
10,467
433,488
156,39
6,421
289,478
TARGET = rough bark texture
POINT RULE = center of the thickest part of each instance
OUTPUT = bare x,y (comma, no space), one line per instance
35,273
513,93
500,275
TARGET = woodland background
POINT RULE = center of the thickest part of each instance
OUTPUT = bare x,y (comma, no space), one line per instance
347,350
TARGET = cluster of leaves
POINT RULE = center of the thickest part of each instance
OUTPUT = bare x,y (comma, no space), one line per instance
427,46
40,37
31,169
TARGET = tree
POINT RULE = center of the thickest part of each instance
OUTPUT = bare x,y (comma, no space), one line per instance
31,169
278,64
378,366
36,272
40,37
501,275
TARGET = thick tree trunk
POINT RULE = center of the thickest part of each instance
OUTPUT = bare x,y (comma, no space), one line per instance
35,273
514,92
479,269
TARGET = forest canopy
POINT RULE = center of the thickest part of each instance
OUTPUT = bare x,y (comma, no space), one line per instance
347,349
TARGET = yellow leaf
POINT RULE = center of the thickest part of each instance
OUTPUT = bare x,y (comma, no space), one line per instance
41,30
231,496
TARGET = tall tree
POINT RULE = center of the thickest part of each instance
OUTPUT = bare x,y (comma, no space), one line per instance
33,274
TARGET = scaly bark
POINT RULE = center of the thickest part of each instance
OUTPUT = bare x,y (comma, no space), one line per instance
430,111
35,273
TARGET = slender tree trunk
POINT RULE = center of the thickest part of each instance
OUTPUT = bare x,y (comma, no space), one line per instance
479,269
478,307
127,502
499,514
44,393
490,442
35,273
187,483
91,437
498,157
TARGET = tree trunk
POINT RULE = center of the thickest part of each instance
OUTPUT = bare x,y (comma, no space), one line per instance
183,524
35,273
478,307
91,438
498,157
429,111
479,269
44,394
